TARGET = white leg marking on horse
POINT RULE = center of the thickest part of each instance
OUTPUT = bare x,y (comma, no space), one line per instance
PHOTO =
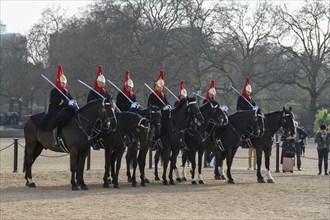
200,177
183,172
177,173
221,170
268,174
30,180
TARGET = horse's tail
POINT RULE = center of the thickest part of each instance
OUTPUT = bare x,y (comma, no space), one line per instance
24,163
26,135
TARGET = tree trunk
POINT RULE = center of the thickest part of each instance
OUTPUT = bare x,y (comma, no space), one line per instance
311,115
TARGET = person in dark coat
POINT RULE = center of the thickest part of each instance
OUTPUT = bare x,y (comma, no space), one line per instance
127,102
99,86
299,140
154,100
99,89
245,102
61,105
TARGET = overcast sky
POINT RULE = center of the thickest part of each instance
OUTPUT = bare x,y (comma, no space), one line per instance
20,15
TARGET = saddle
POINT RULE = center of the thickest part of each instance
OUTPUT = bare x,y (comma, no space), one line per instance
43,121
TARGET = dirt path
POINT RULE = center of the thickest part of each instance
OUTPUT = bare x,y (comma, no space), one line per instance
298,195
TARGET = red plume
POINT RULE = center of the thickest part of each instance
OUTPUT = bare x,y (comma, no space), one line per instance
160,76
58,80
127,77
247,82
96,87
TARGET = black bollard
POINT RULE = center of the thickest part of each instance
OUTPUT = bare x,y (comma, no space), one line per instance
15,154
277,154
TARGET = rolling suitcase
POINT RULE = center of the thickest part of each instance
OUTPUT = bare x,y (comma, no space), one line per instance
288,164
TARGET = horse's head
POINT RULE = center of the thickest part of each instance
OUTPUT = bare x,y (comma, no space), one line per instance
258,123
212,110
106,114
153,114
193,110
287,121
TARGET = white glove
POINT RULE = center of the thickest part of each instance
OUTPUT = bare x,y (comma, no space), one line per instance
134,105
72,102
167,107
224,108
254,108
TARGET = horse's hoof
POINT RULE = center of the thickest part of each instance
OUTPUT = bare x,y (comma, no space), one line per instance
231,181
157,178
201,182
172,183
143,184
217,177
165,183
179,179
270,181
129,179
194,182
134,184
222,177
84,187
261,180
74,188
146,180
184,178
116,186
106,185
31,185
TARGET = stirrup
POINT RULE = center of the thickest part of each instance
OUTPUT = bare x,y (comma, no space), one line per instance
58,142
159,143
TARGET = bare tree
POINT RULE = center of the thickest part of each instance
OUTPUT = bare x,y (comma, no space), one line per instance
52,20
306,43
243,46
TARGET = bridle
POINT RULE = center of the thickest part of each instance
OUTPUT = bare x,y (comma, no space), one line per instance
101,125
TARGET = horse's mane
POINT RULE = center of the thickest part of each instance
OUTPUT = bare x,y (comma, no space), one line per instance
181,102
92,103
213,102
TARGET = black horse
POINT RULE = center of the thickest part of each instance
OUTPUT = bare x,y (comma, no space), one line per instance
153,114
242,126
115,143
273,122
76,138
197,140
173,128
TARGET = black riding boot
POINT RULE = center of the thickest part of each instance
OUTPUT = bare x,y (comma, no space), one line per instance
95,145
57,138
157,144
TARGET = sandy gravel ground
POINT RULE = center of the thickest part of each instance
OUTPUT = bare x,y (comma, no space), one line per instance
299,195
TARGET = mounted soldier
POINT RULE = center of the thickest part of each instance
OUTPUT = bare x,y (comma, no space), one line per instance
61,105
182,93
211,92
158,98
245,102
127,103
99,87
